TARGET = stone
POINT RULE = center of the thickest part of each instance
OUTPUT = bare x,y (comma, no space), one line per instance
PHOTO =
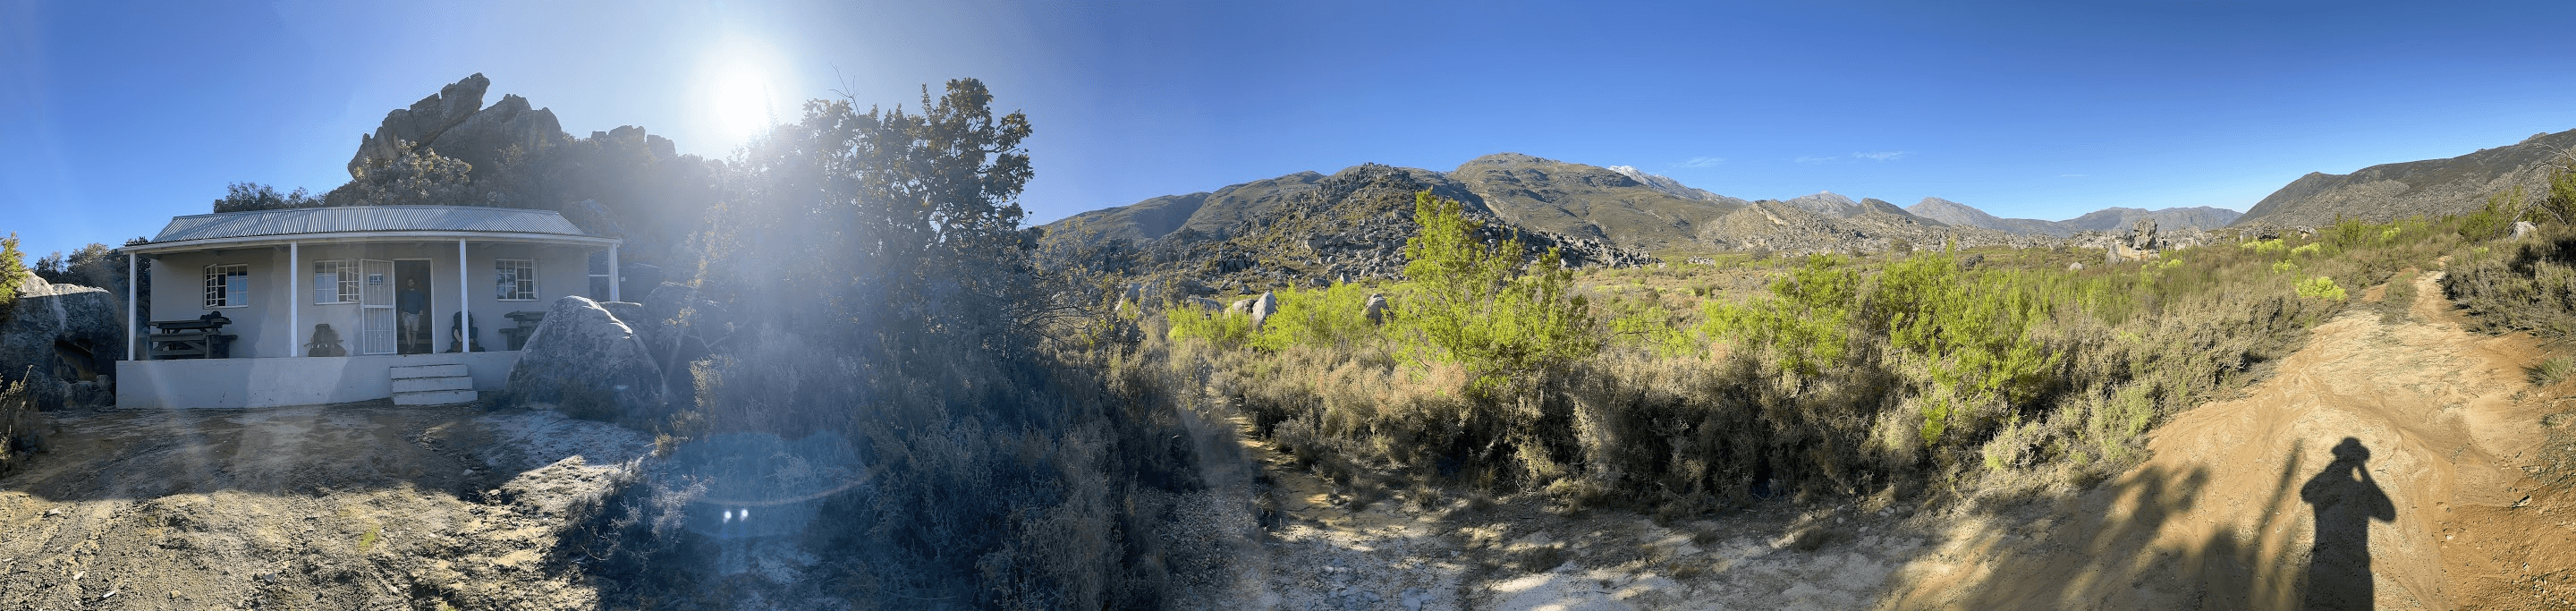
1262,308
1240,306
2075,267
421,123
62,333
455,123
2142,236
2523,229
1376,309
589,364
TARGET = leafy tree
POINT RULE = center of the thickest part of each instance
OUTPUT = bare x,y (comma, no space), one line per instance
250,196
419,176
1475,303
1805,320
13,270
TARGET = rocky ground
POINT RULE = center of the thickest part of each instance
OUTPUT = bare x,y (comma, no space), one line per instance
357,506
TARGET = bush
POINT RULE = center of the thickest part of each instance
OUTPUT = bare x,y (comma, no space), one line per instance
1475,302
2320,287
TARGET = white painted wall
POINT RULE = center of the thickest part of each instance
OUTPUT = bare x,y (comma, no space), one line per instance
178,281
246,383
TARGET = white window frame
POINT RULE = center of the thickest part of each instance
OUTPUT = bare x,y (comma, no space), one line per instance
219,293
525,271
347,291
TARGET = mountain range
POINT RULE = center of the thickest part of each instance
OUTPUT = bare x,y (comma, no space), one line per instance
1617,206
2107,219
2430,187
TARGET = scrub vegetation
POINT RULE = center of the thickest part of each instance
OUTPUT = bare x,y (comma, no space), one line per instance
1930,376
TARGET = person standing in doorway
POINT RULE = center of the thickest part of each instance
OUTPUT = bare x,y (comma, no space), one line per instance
412,301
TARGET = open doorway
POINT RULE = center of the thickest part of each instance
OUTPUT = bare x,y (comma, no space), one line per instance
412,327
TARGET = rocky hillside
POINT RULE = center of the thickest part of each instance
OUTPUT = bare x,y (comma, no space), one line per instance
2430,187
1307,227
1591,201
2107,219
1300,229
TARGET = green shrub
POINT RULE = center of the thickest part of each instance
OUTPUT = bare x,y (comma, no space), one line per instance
1215,325
1804,321
1335,316
1474,303
2551,371
2320,287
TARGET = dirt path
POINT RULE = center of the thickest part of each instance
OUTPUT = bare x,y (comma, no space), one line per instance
2386,465
359,506
2420,447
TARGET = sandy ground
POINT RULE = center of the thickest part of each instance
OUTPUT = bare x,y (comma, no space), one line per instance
357,506
2438,472
2401,465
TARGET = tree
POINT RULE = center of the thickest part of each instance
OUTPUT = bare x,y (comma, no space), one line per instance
251,196
12,270
1475,302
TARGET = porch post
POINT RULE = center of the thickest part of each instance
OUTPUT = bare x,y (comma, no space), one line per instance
294,290
464,300
132,320
614,277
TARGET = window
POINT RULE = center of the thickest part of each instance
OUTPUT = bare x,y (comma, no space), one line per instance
228,285
515,279
335,281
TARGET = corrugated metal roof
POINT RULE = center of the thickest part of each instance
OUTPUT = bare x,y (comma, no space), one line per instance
364,218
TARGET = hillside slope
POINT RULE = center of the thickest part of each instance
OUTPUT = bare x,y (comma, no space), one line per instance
1589,201
2430,187
2107,219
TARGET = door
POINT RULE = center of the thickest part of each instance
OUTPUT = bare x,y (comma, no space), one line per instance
412,308
376,306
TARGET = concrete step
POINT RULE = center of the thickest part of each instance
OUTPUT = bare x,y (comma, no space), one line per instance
434,397
404,385
428,371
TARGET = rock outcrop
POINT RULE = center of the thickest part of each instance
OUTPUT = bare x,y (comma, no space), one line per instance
455,123
72,336
588,363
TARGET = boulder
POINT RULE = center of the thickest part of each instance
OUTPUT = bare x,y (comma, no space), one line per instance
2523,229
66,333
1376,309
2142,236
590,364
2075,267
455,123
1262,308
421,123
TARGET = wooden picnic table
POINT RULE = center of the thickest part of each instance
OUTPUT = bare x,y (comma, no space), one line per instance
526,325
197,338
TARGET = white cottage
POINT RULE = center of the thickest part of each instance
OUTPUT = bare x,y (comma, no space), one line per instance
246,306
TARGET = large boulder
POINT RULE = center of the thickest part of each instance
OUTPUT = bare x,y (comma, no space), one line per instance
455,123
588,363
67,334
1376,309
1262,308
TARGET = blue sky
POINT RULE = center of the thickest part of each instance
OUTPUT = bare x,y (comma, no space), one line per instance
115,117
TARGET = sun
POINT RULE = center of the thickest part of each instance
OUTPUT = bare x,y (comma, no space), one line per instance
740,89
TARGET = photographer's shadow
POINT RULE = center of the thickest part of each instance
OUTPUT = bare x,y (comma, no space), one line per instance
2344,499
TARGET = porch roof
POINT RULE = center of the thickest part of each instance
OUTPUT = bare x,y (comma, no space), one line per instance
365,223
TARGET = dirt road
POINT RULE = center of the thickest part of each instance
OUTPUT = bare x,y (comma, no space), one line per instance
2395,465
2385,465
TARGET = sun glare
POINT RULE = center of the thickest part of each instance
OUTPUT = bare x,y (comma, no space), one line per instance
740,89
